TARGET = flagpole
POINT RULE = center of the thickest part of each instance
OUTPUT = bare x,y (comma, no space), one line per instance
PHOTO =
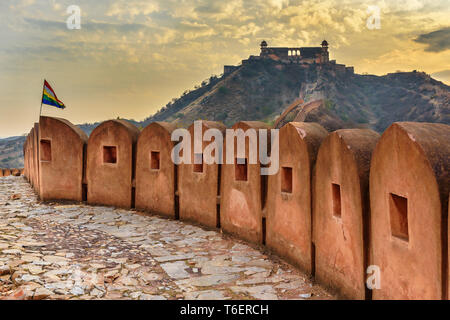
42,98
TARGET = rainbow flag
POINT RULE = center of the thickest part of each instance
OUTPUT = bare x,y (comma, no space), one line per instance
49,97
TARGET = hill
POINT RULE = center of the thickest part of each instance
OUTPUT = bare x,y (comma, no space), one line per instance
276,93
263,89
11,152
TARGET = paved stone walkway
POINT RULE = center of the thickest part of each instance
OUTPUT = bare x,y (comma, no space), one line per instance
55,251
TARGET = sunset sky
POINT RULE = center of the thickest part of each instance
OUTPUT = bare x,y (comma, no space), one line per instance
131,57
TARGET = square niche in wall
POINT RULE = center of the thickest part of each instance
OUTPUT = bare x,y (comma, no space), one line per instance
286,180
46,150
198,162
155,160
109,154
240,171
337,199
398,210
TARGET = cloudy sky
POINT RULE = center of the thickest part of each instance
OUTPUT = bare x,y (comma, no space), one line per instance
131,57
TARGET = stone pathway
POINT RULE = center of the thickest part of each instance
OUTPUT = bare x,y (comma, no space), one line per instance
55,251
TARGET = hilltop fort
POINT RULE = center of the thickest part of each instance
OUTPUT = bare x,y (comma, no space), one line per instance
303,56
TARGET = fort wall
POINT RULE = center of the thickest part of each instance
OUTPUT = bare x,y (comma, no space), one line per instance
11,172
156,174
341,201
36,167
243,191
289,198
62,152
198,182
341,210
409,186
111,163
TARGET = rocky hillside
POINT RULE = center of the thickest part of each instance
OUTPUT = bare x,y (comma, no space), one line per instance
11,152
264,89
376,102
259,91
276,93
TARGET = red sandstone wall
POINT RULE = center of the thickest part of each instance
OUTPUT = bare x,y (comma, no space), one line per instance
110,163
10,172
289,210
341,210
36,157
28,170
241,207
198,185
25,150
31,167
31,158
155,171
409,188
25,158
30,155
61,159
411,161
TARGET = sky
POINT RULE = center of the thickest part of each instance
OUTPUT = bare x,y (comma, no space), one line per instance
131,57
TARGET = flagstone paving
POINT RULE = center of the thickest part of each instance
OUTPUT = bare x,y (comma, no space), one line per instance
75,251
